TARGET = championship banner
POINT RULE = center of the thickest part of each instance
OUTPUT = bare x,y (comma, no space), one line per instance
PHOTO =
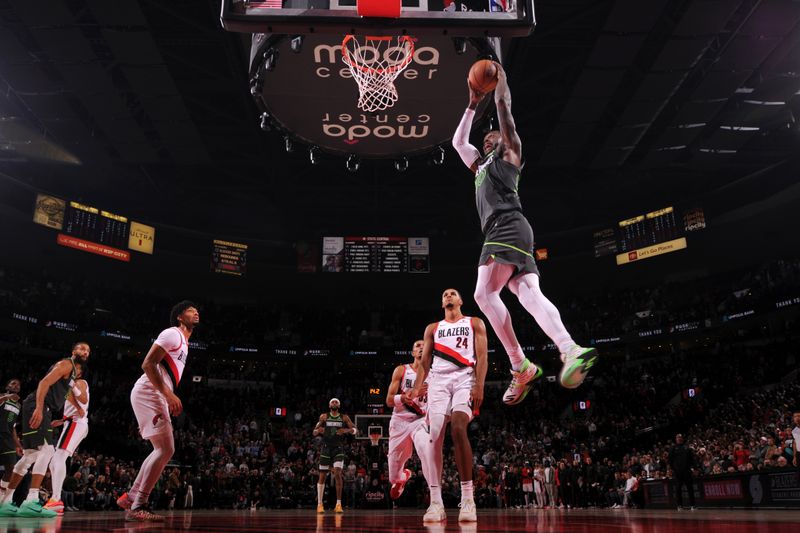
142,238
49,211
651,251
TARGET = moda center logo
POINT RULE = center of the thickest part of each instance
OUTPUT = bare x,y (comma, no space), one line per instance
353,127
311,94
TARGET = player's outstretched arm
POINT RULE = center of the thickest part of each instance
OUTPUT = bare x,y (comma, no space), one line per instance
394,386
508,130
468,153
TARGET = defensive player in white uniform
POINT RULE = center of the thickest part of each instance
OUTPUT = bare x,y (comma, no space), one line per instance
75,428
408,416
455,390
153,400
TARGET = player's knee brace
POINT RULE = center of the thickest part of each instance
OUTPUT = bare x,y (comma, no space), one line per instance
43,458
25,462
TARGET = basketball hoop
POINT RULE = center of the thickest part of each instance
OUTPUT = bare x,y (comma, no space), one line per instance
375,62
375,438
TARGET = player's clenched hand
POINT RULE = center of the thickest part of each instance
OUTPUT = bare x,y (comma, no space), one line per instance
501,73
475,97
477,397
36,419
174,404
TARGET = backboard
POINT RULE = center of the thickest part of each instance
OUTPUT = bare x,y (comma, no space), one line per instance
460,18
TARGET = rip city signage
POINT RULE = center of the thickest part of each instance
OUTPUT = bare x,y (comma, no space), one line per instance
312,94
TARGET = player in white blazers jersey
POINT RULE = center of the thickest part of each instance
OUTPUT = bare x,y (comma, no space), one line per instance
153,400
454,354
408,416
74,428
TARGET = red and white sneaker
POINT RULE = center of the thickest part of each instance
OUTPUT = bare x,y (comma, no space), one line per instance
53,505
142,515
397,488
124,501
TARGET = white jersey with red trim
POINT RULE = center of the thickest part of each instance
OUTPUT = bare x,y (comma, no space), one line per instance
171,366
453,345
71,412
418,408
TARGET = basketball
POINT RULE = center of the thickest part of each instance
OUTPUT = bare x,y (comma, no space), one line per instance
483,76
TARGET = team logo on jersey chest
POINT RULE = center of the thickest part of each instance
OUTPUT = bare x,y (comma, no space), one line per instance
461,331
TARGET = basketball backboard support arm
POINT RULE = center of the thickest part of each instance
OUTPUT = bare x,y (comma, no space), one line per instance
253,17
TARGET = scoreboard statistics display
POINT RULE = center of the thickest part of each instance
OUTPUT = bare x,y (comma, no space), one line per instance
91,224
229,258
375,254
645,230
648,235
89,229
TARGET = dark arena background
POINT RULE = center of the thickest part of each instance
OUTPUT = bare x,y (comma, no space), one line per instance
154,151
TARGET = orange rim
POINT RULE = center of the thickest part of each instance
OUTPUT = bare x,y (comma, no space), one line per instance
394,68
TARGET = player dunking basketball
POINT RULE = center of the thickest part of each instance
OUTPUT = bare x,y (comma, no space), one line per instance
407,417
74,428
332,426
507,256
455,390
37,433
153,400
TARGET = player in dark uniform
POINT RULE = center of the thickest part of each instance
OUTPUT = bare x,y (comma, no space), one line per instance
332,426
38,409
10,446
507,255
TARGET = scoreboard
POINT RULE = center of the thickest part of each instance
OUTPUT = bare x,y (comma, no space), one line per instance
375,254
91,224
648,235
93,230
228,258
645,230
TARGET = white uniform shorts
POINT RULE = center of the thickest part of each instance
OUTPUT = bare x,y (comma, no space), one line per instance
451,391
72,433
401,444
151,410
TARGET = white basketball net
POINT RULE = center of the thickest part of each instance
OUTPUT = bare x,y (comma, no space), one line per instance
375,62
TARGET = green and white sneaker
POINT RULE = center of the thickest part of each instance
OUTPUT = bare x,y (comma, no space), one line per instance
8,510
577,363
521,382
34,509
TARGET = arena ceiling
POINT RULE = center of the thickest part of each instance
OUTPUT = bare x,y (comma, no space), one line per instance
622,106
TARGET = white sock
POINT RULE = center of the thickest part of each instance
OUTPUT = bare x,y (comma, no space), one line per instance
466,490
516,357
320,492
8,496
33,495
339,502
436,494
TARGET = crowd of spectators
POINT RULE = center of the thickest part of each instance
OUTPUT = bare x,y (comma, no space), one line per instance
231,453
